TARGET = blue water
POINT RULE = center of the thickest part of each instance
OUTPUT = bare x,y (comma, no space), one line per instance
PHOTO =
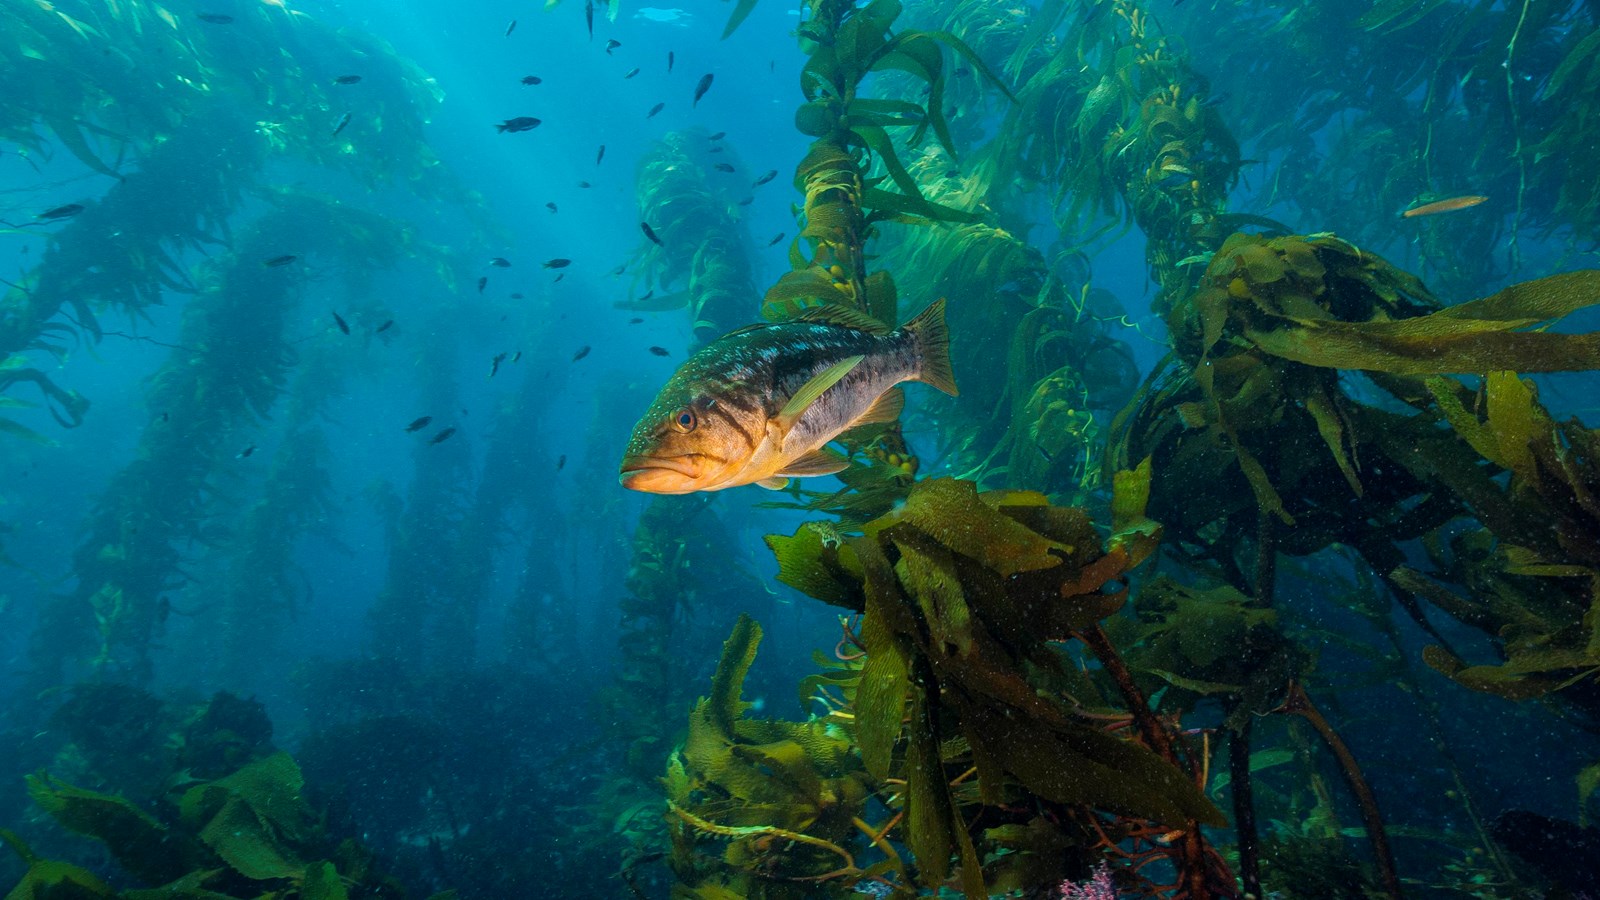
456,633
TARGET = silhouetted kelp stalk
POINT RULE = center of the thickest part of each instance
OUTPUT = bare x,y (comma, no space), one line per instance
175,85
226,377
703,247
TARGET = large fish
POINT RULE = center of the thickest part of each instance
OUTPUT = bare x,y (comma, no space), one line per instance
757,406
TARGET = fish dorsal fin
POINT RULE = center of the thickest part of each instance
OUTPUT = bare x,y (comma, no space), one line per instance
817,462
844,316
811,390
775,483
886,408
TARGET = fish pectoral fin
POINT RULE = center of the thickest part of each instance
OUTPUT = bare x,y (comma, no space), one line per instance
775,483
811,390
817,462
886,408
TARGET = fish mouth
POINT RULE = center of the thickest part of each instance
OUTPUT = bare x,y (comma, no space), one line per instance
660,474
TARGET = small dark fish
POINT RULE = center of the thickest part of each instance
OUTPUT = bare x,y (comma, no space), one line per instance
214,18
630,73
278,262
557,263
718,136
651,234
558,277
635,320
520,123
747,201
647,295
516,357
442,436
347,79
612,45
588,16
774,241
512,27
61,212
245,453
655,109
550,206
494,364
669,62
952,173
717,149
388,324
600,155
339,321
725,167
620,269
585,184
771,174
531,79
582,352
343,121
500,262
701,88
419,424
660,351
166,417
772,65
561,462
483,283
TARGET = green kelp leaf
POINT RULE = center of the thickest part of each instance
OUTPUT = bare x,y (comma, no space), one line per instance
1473,337
1588,783
1513,419
934,829
245,841
52,880
272,788
740,12
738,652
322,883
139,843
880,697
1259,761
928,572
1071,763
1130,529
816,563
950,511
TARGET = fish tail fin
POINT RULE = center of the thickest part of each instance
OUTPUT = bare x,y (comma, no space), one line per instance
931,337
500,129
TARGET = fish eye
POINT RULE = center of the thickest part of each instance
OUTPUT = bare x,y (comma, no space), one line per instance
685,420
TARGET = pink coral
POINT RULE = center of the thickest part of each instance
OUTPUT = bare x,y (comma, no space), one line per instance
1098,887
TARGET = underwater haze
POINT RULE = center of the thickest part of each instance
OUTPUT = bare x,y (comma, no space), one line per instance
899,448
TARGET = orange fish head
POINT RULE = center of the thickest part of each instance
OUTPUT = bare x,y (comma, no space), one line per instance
680,447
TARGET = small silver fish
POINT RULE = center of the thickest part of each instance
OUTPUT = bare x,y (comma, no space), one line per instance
758,406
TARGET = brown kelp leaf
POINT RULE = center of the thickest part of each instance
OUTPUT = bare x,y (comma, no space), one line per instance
928,572
950,512
322,883
1071,763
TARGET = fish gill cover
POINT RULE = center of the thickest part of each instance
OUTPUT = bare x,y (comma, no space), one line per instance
1255,556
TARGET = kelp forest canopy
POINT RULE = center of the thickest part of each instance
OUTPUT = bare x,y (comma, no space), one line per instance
1258,555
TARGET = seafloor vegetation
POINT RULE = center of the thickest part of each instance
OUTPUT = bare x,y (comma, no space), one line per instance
1240,623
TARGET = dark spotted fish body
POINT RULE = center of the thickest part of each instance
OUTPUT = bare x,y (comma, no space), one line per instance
725,417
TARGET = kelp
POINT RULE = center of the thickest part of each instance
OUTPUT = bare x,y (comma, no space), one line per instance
703,251
226,371
246,831
961,595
